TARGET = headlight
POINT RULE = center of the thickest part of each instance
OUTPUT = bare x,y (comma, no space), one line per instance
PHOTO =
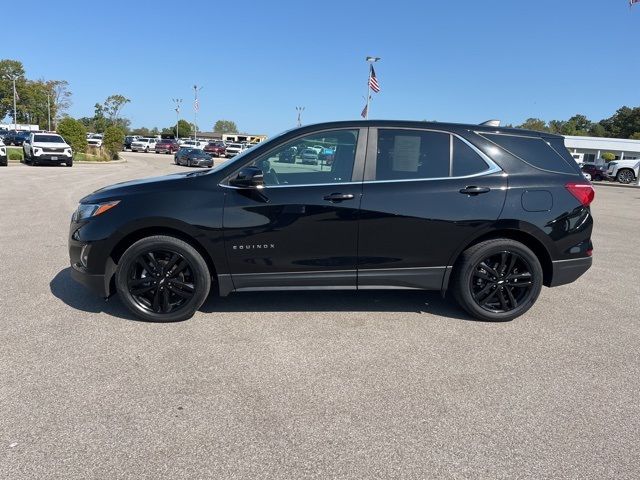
88,210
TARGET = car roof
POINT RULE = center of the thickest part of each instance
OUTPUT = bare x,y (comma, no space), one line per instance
454,127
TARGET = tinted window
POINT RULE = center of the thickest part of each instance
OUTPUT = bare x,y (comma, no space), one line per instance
48,139
412,154
286,165
465,160
533,150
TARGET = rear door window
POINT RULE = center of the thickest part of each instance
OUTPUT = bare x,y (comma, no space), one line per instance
412,155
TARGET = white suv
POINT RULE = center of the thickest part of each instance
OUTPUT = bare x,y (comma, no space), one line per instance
47,148
3,154
624,171
95,140
144,145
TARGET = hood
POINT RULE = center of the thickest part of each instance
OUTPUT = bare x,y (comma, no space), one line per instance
135,187
50,145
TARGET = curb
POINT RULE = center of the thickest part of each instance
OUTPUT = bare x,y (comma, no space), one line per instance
614,184
84,162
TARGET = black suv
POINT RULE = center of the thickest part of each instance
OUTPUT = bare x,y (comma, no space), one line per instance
489,213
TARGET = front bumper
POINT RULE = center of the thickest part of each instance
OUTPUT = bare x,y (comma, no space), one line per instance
52,158
567,271
97,283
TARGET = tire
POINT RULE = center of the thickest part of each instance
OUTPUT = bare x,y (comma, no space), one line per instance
500,298
146,150
146,291
625,176
69,163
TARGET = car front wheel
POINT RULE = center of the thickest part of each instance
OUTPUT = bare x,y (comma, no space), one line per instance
162,279
625,176
497,280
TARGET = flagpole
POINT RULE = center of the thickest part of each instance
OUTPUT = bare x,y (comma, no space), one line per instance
366,114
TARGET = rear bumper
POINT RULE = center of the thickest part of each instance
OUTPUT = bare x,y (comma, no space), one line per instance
567,271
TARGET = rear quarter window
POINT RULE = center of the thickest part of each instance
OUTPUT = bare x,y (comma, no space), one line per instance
537,152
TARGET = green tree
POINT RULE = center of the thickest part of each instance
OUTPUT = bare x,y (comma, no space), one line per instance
635,136
8,70
113,140
624,123
225,126
113,105
534,124
142,131
597,130
184,129
608,156
74,132
60,98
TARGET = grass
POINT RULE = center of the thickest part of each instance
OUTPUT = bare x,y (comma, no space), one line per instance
16,154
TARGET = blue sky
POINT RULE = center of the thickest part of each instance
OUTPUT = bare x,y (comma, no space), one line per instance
463,61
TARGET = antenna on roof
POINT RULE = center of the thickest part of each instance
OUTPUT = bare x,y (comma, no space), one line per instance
491,123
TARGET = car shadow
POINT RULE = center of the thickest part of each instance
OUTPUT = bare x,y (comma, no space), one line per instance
78,297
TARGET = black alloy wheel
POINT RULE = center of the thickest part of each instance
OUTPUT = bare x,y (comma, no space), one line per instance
162,279
497,280
501,282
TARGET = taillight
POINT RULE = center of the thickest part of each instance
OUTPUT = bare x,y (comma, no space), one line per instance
584,192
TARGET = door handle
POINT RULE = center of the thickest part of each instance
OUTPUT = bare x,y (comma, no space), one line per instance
473,190
338,197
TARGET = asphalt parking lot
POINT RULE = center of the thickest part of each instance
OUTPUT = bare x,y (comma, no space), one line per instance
394,384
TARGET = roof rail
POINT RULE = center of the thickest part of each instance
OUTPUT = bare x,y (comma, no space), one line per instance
491,123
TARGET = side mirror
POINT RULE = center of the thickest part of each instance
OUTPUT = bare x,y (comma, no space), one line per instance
248,177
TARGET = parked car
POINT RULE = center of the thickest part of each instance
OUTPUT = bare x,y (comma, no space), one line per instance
511,204
143,145
167,146
128,140
16,137
95,140
215,149
234,149
288,155
596,172
310,155
49,148
623,171
197,144
326,156
4,159
193,157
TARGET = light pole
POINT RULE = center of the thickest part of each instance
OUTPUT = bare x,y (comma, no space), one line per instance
49,110
177,102
15,109
299,110
370,61
196,107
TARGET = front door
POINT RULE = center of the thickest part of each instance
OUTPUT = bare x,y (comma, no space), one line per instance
424,193
301,229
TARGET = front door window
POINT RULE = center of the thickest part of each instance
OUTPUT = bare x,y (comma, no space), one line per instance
320,158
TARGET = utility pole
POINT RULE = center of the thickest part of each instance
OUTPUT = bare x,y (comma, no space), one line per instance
177,102
299,110
370,62
15,109
49,110
196,107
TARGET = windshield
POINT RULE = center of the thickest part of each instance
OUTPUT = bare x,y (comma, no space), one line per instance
48,139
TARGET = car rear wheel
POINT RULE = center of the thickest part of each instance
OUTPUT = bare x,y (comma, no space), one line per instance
625,176
162,279
497,280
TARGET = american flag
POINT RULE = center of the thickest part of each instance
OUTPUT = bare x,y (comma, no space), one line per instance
373,80
196,105
363,114
633,2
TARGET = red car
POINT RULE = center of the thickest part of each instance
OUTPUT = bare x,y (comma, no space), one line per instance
167,146
215,149
597,172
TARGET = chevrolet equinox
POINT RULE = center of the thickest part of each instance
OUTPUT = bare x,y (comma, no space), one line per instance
489,214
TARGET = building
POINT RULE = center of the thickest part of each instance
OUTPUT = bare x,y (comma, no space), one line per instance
233,137
590,149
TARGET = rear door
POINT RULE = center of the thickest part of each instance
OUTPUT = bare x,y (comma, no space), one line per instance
424,193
